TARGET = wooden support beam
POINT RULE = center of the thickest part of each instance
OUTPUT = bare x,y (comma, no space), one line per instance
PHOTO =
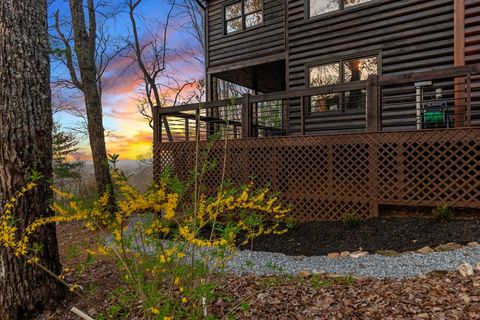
459,60
459,32
373,105
374,118
302,116
247,116
469,100
157,126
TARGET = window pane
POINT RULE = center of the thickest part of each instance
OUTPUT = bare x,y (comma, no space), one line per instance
349,3
360,69
234,25
233,11
253,5
355,99
324,102
321,6
324,75
253,19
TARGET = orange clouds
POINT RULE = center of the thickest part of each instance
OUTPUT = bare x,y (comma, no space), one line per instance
130,146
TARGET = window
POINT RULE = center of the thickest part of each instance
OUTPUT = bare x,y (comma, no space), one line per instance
317,7
342,72
243,15
233,17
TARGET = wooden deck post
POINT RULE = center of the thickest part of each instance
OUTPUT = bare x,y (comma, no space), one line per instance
374,118
302,115
468,117
459,60
247,116
157,126
157,140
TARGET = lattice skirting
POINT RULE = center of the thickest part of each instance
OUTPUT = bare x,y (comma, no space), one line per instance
324,177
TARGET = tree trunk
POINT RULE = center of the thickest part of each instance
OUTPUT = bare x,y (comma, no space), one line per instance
85,48
26,145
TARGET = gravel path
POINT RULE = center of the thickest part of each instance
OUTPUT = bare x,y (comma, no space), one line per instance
377,266
374,265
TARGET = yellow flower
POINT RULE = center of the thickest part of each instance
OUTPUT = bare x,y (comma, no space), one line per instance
33,260
102,250
73,288
184,300
154,310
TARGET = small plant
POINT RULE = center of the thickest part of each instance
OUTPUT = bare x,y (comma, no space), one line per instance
73,251
442,213
318,282
249,264
274,267
291,223
351,219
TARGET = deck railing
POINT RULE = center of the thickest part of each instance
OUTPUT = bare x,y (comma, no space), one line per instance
443,98
415,143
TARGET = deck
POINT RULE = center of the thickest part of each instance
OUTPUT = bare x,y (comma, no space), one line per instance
324,171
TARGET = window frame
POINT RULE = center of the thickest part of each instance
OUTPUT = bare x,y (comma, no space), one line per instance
242,17
341,61
341,8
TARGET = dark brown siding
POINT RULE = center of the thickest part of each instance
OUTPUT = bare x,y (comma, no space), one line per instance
472,51
262,41
472,32
412,35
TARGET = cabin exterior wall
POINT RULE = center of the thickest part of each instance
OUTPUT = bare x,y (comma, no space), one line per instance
408,36
261,41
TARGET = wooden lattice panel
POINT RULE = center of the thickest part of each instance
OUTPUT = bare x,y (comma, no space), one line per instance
324,177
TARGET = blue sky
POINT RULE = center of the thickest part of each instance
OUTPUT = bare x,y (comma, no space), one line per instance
131,134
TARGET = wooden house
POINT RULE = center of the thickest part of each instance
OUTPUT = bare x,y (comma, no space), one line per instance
353,104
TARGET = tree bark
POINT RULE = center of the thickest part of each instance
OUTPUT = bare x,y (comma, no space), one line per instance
26,145
85,48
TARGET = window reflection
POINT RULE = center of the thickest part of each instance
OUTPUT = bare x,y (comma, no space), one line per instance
349,3
342,72
236,20
253,19
234,25
253,6
233,11
359,69
318,7
325,75
324,102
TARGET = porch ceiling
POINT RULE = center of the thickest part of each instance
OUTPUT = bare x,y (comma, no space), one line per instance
266,77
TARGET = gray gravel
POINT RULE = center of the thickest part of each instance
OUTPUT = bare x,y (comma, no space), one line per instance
377,266
373,265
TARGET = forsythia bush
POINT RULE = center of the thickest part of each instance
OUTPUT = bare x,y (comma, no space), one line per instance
170,248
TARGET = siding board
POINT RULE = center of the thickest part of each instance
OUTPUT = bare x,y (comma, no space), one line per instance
268,39
412,35
409,36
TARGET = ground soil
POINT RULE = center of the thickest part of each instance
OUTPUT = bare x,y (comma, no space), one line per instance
399,234
435,296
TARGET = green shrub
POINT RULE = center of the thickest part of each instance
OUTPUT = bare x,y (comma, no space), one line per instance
442,213
351,219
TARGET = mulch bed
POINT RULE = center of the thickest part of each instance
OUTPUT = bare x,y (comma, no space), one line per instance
398,234
445,297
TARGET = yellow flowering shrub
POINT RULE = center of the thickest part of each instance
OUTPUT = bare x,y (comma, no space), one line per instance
169,247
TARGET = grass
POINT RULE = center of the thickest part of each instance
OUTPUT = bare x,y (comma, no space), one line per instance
319,282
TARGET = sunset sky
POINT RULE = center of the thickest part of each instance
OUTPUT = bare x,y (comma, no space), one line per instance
131,135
